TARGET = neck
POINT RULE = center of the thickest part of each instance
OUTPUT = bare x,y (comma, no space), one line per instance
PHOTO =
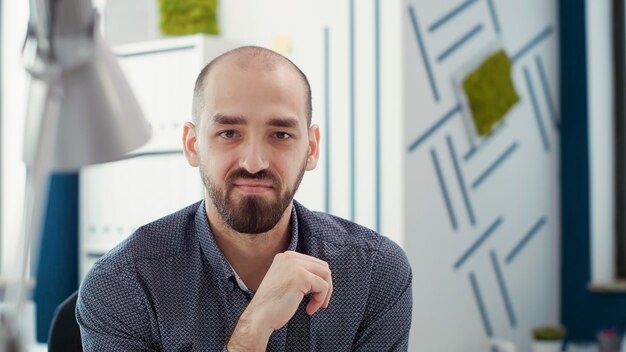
250,255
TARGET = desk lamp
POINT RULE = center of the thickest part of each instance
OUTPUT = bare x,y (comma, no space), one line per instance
80,111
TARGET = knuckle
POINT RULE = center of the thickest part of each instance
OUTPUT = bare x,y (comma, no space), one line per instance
296,277
296,280
328,274
301,272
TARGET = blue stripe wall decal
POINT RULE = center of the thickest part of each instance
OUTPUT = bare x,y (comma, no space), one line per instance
377,224
535,104
459,175
450,15
481,305
442,121
495,165
503,290
352,120
478,242
531,233
456,45
494,16
474,149
532,43
422,47
327,118
546,91
444,189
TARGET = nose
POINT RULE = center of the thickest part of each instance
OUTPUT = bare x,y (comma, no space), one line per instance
254,158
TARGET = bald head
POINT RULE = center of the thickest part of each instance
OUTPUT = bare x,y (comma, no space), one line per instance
248,58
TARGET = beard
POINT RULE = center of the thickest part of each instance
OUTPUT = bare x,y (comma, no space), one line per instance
251,214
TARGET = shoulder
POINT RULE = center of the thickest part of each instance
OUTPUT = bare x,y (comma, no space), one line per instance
355,251
336,230
391,266
168,236
112,279
388,257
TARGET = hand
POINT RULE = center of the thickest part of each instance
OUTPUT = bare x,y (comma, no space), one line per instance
291,276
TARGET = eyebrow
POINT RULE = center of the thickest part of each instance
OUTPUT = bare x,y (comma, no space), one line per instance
285,122
228,120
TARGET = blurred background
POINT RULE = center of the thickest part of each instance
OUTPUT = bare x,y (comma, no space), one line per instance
506,231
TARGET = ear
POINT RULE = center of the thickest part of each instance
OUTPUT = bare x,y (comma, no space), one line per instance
190,144
314,147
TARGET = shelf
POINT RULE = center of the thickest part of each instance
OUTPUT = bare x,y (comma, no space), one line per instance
618,286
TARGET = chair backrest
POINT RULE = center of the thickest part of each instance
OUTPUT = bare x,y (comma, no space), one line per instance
64,331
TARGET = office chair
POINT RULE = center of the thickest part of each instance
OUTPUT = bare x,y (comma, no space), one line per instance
64,333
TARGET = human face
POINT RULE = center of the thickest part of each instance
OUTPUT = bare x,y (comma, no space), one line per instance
253,144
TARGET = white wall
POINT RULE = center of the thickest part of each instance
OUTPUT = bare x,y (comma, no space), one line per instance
601,139
486,295
14,20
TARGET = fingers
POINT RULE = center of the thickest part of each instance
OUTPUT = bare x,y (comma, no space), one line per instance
321,292
322,271
330,292
316,277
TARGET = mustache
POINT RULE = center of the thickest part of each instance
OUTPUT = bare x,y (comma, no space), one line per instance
261,175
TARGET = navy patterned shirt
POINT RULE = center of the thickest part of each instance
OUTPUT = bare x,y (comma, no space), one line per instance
168,287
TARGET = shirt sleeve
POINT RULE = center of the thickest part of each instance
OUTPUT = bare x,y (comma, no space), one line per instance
387,319
113,312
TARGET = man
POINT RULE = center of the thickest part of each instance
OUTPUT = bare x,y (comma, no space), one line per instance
248,268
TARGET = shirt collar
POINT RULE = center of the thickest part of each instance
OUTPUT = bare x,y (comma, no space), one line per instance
214,256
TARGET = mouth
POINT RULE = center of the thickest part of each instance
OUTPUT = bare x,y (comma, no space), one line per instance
253,186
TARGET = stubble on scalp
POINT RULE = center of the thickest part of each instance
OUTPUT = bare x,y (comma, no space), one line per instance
247,58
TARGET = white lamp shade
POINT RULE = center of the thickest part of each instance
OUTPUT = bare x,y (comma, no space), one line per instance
100,120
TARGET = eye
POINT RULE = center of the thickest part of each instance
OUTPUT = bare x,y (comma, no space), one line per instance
282,135
228,134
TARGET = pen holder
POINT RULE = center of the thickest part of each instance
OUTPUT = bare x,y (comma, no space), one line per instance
497,345
609,340
548,346
548,338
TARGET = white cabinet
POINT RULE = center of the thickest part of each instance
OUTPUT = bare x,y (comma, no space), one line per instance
155,180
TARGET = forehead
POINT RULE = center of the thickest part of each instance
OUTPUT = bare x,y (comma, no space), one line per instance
255,89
